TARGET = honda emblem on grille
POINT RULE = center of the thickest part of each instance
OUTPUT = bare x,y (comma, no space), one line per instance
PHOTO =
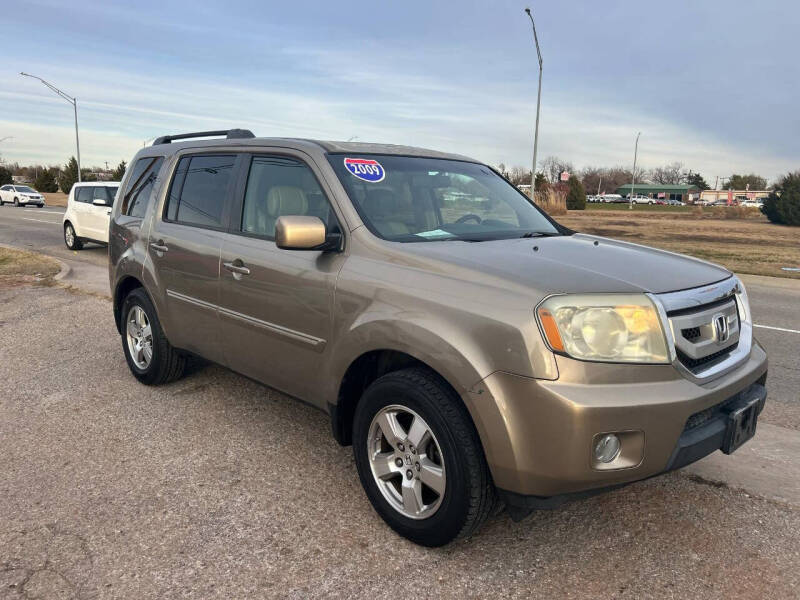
721,332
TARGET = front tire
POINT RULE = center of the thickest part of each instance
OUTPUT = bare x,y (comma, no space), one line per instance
16,202
71,240
150,356
419,458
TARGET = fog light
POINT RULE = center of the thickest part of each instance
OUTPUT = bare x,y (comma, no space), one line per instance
606,449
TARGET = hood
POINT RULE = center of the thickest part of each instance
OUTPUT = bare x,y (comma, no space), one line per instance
576,263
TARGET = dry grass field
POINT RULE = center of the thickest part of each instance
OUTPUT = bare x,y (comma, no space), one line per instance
19,267
750,245
55,199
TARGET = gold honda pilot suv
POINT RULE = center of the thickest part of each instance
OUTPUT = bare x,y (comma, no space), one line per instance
473,351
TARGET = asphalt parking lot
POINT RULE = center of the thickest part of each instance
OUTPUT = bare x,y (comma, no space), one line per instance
216,486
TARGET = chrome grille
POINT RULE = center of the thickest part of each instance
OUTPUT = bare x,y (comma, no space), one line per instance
707,333
709,329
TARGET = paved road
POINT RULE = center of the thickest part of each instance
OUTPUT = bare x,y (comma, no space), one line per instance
217,487
775,303
40,229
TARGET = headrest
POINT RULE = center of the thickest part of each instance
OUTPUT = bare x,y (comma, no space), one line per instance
381,201
286,200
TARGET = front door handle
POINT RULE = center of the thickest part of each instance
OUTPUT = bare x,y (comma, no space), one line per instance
159,246
236,267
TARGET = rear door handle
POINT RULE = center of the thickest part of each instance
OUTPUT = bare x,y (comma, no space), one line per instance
159,246
236,268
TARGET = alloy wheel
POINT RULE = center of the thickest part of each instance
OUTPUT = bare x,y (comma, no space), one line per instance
406,462
140,337
69,235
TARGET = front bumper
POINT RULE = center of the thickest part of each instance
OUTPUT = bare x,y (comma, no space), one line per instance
538,435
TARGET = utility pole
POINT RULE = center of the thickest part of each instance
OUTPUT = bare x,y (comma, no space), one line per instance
633,178
538,105
599,183
74,103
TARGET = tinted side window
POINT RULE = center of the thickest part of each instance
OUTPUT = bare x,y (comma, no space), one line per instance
84,194
104,193
140,186
278,186
199,188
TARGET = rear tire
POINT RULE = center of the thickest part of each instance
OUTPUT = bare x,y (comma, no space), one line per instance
141,330
469,496
72,241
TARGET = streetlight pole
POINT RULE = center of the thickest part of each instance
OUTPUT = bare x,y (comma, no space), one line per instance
633,178
74,103
538,104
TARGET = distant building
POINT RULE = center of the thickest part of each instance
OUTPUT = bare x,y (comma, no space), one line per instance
19,179
657,191
736,196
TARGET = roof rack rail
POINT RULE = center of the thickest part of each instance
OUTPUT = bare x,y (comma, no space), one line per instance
231,134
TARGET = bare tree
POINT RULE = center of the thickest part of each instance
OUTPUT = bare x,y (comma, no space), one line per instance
670,174
553,166
518,175
608,179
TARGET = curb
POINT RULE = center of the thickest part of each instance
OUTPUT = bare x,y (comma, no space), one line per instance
65,269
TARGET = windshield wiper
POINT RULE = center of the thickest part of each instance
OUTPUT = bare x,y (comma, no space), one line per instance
534,234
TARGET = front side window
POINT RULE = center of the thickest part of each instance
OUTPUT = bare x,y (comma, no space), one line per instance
199,188
280,186
413,199
84,194
140,186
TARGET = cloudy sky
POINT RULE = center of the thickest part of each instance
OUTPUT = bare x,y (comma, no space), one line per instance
714,84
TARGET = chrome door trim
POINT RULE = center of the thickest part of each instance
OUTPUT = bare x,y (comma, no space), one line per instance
191,300
318,344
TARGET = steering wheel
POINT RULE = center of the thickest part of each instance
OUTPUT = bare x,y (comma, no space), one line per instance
467,217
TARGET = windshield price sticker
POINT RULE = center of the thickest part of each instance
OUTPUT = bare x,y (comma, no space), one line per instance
365,169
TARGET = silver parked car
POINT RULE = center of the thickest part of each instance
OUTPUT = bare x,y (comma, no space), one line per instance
473,351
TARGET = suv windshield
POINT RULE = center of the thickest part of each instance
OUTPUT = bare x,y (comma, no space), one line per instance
412,199
25,189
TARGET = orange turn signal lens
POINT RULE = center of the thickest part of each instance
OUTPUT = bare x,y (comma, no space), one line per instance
551,330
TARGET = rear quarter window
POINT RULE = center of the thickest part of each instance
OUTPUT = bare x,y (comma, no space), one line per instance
139,189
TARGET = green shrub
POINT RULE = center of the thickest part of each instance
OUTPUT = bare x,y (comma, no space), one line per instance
576,195
783,204
69,175
5,176
46,181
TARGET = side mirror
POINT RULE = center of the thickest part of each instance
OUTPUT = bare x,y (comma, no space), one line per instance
100,202
295,232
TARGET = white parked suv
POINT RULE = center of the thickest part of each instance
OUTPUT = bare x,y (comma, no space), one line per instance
20,195
88,212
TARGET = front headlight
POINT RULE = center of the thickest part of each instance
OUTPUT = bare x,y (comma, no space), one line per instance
604,327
